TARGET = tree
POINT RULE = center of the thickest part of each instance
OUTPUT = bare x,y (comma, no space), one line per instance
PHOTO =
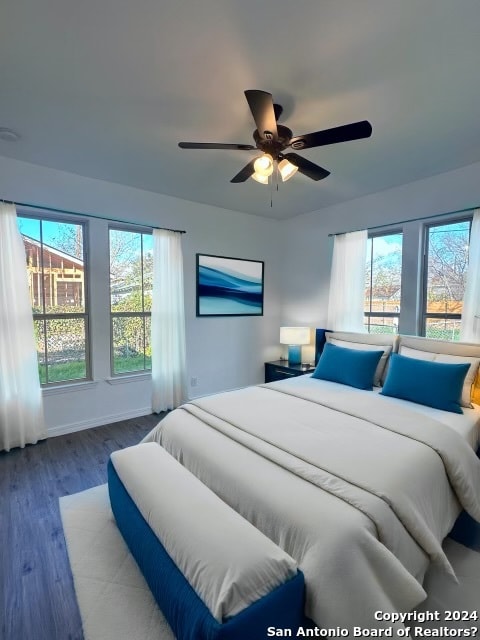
131,273
383,277
447,264
131,277
69,239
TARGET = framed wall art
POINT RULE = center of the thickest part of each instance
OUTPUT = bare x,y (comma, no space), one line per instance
229,286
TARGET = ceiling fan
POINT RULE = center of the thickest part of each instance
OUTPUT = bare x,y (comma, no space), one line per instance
272,139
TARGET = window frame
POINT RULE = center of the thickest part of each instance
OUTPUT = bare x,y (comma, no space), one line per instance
412,318
424,315
44,317
126,314
383,314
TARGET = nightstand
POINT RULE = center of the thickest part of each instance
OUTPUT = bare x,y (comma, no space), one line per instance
280,370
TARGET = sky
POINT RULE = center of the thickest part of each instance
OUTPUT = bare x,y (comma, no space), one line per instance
384,245
31,227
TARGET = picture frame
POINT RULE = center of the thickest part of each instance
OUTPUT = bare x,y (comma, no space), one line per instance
229,286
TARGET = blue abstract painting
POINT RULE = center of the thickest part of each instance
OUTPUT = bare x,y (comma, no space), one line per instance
229,286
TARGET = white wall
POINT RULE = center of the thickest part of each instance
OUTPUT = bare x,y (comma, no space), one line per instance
222,353
307,272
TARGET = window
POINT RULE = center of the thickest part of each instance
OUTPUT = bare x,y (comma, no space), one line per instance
421,268
56,269
383,280
131,282
446,262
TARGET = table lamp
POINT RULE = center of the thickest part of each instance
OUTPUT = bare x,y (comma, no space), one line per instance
294,337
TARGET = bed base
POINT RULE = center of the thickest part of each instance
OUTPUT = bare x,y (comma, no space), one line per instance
466,530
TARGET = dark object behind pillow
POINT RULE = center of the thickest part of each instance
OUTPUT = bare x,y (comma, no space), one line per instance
434,384
352,367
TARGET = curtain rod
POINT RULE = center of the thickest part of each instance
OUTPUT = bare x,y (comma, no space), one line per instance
86,215
392,224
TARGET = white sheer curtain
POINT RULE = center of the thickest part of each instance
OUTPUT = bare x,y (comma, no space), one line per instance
470,326
169,387
347,282
21,410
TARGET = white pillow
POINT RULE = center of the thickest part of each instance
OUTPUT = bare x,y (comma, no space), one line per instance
465,400
363,346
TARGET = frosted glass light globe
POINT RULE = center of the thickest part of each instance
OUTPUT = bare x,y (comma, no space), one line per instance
264,165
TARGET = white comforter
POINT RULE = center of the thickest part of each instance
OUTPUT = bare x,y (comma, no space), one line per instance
358,491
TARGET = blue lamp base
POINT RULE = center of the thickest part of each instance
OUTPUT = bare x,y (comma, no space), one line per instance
294,354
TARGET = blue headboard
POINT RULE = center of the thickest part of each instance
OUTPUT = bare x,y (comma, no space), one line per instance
320,339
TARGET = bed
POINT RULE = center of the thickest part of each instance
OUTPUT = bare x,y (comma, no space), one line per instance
358,487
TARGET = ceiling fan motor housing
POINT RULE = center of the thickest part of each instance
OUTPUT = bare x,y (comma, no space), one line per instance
268,143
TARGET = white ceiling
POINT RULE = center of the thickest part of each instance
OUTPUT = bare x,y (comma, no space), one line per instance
107,88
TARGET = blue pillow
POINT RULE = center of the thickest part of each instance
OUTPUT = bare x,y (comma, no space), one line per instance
353,367
435,384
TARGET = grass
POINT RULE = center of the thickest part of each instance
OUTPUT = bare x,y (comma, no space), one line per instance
62,371
443,334
439,333
76,370
131,363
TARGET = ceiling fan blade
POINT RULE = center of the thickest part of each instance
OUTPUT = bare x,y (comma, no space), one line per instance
215,145
344,133
263,112
247,171
306,167
278,109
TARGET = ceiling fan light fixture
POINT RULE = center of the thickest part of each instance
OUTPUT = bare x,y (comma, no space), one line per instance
259,178
263,165
287,169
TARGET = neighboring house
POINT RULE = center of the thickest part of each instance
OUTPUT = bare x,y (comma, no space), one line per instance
63,276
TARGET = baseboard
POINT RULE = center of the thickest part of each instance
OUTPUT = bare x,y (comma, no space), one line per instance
97,422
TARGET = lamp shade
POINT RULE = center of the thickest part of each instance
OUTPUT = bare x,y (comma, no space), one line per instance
294,335
263,165
287,169
259,178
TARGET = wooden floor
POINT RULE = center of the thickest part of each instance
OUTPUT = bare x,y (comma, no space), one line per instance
37,599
